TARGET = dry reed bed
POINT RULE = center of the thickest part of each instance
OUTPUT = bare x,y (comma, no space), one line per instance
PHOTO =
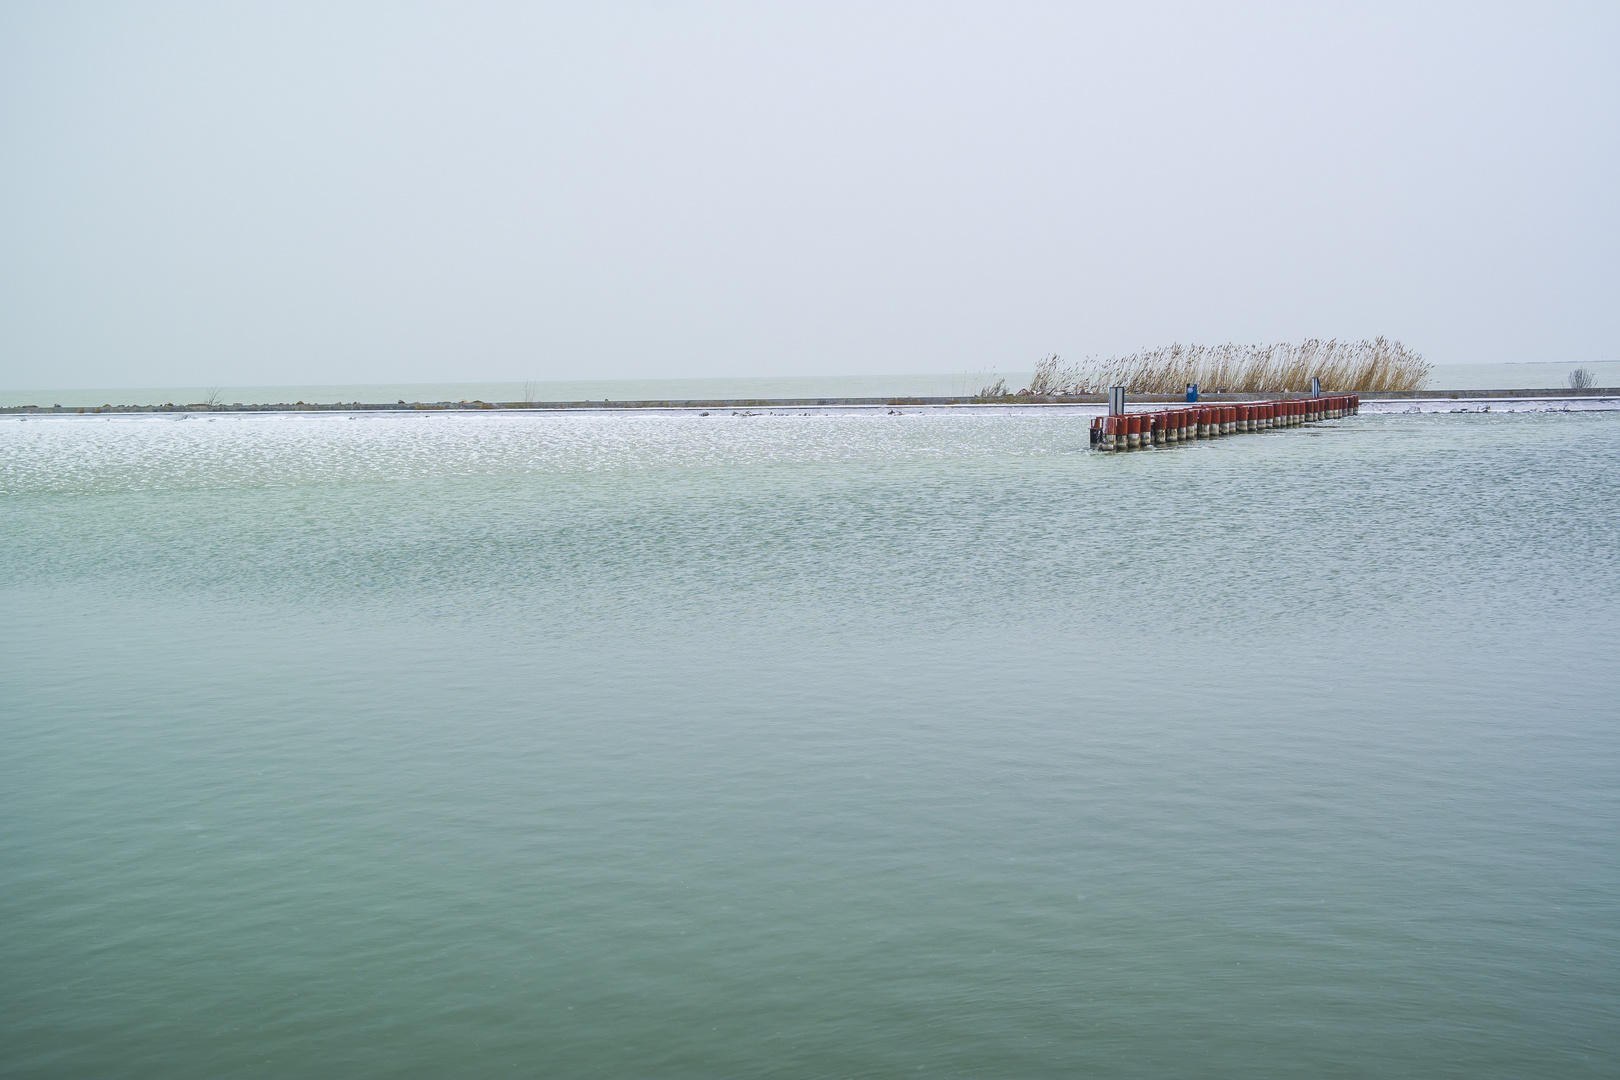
1241,369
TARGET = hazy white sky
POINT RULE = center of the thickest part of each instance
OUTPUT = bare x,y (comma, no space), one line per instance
280,193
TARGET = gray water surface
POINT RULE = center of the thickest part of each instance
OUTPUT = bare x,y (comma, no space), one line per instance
808,746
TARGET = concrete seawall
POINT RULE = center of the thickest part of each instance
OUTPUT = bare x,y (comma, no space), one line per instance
791,403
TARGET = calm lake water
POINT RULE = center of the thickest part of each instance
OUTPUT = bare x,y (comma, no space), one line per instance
808,746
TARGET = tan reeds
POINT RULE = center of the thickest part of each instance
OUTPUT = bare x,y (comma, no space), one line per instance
1050,377
1244,369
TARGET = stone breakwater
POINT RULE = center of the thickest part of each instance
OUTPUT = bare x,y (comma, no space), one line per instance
758,403
1140,430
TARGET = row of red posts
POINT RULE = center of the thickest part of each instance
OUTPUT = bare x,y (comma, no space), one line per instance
1133,431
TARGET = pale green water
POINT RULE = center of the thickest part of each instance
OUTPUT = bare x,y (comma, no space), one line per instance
808,746
957,385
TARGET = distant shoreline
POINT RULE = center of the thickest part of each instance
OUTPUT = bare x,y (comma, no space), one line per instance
685,404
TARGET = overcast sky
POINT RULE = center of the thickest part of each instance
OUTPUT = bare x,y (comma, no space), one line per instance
252,194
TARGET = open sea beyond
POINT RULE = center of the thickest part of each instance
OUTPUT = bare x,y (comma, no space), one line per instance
808,745
1527,376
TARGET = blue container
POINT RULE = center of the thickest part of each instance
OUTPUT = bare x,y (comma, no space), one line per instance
1192,391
